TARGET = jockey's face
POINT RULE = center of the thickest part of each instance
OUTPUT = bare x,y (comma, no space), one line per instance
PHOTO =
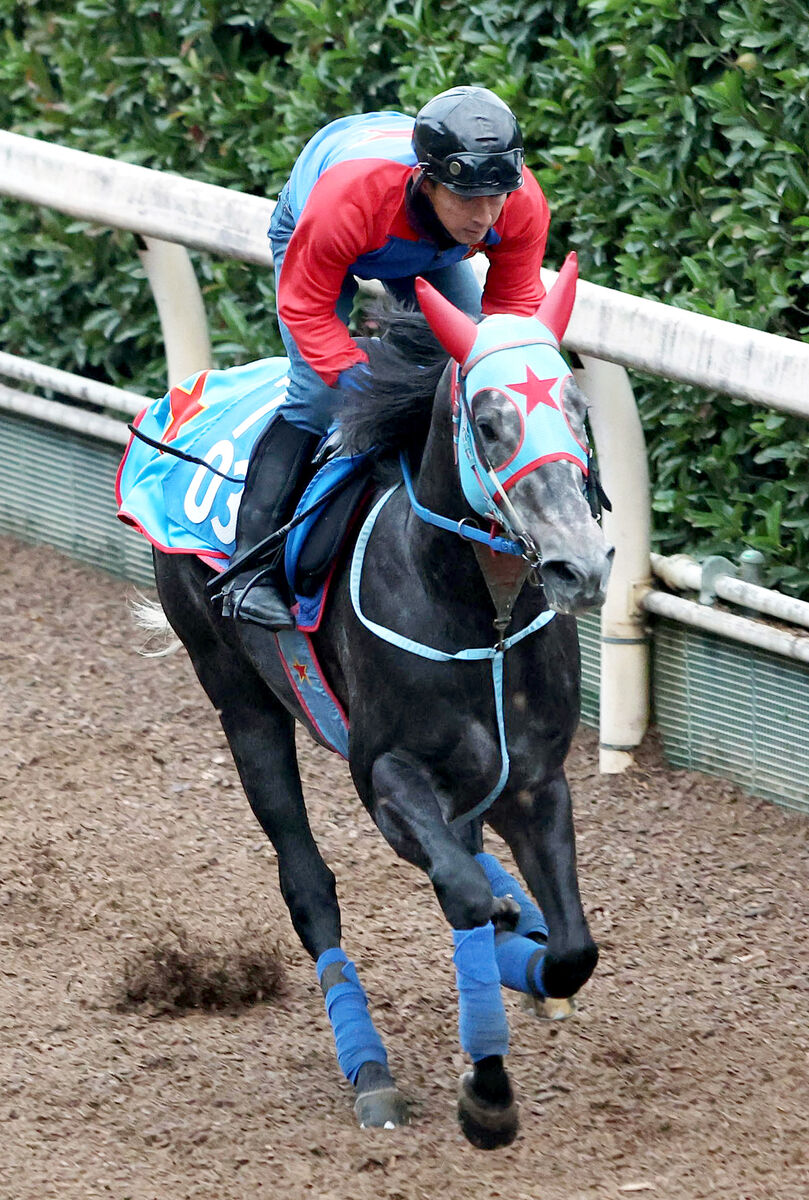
466,218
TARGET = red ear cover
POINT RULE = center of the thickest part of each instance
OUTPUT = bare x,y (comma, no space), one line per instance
554,311
454,329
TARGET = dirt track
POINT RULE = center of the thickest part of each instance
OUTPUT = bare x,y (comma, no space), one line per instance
126,842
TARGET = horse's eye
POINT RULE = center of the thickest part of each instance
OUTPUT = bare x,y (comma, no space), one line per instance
486,430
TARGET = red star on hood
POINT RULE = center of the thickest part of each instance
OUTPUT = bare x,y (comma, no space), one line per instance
303,671
536,391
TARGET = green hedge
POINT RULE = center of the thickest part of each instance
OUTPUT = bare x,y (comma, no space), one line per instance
670,136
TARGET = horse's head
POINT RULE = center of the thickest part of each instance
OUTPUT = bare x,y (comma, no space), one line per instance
521,446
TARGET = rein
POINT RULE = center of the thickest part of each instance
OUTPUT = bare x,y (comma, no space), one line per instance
464,528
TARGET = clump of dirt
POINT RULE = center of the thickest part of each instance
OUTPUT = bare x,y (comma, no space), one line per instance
178,971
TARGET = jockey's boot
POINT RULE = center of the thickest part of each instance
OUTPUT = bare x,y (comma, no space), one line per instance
271,487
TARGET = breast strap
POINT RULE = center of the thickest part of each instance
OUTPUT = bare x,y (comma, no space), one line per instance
493,654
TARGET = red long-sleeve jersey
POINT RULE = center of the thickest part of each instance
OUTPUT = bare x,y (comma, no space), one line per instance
347,192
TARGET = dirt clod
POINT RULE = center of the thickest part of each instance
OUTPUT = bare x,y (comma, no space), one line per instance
176,972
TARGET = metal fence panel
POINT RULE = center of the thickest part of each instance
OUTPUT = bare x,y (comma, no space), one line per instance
590,644
57,487
733,711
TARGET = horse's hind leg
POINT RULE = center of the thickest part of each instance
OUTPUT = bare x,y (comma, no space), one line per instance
261,736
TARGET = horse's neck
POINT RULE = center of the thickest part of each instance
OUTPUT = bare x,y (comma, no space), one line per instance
441,556
438,485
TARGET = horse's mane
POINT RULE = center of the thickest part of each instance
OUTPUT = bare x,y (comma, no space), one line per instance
393,411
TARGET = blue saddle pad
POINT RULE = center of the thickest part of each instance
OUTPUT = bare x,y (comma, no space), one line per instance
190,507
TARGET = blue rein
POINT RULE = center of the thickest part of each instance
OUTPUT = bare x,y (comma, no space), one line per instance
493,654
462,528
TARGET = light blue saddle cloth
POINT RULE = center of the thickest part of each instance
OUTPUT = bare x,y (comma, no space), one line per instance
189,505
216,417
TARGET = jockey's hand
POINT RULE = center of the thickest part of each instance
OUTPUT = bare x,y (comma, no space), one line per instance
355,378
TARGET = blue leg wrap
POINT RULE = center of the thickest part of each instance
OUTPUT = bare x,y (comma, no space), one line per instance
531,918
355,1037
482,1024
519,961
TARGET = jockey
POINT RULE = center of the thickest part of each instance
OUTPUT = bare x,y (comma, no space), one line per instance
379,196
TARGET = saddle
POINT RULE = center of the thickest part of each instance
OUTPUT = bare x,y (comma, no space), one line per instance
182,475
335,498
308,545
326,511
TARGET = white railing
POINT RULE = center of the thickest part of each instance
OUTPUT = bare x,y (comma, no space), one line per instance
606,324
609,330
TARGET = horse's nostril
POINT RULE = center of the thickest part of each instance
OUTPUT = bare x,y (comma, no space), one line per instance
561,573
573,586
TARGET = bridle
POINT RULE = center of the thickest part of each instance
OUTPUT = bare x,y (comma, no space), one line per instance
491,498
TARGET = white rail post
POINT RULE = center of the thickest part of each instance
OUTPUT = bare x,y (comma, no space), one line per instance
618,434
180,306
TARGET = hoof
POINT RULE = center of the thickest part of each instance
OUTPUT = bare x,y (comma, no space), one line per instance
485,1126
549,1008
383,1108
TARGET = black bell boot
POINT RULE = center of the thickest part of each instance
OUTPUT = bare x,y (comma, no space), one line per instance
271,488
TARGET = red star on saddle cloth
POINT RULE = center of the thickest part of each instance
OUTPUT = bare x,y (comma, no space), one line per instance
184,405
302,670
536,391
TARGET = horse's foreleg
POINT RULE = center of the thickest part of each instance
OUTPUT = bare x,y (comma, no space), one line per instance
521,951
538,827
407,813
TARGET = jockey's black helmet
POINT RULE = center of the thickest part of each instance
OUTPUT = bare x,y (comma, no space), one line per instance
468,139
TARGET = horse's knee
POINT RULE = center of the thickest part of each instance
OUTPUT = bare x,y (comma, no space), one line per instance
466,899
408,815
563,973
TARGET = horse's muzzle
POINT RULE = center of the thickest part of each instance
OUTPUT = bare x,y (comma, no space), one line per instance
574,586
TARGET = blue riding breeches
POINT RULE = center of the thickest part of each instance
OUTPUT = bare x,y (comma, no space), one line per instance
309,401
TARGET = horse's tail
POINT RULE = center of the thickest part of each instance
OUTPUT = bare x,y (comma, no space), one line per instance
149,616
